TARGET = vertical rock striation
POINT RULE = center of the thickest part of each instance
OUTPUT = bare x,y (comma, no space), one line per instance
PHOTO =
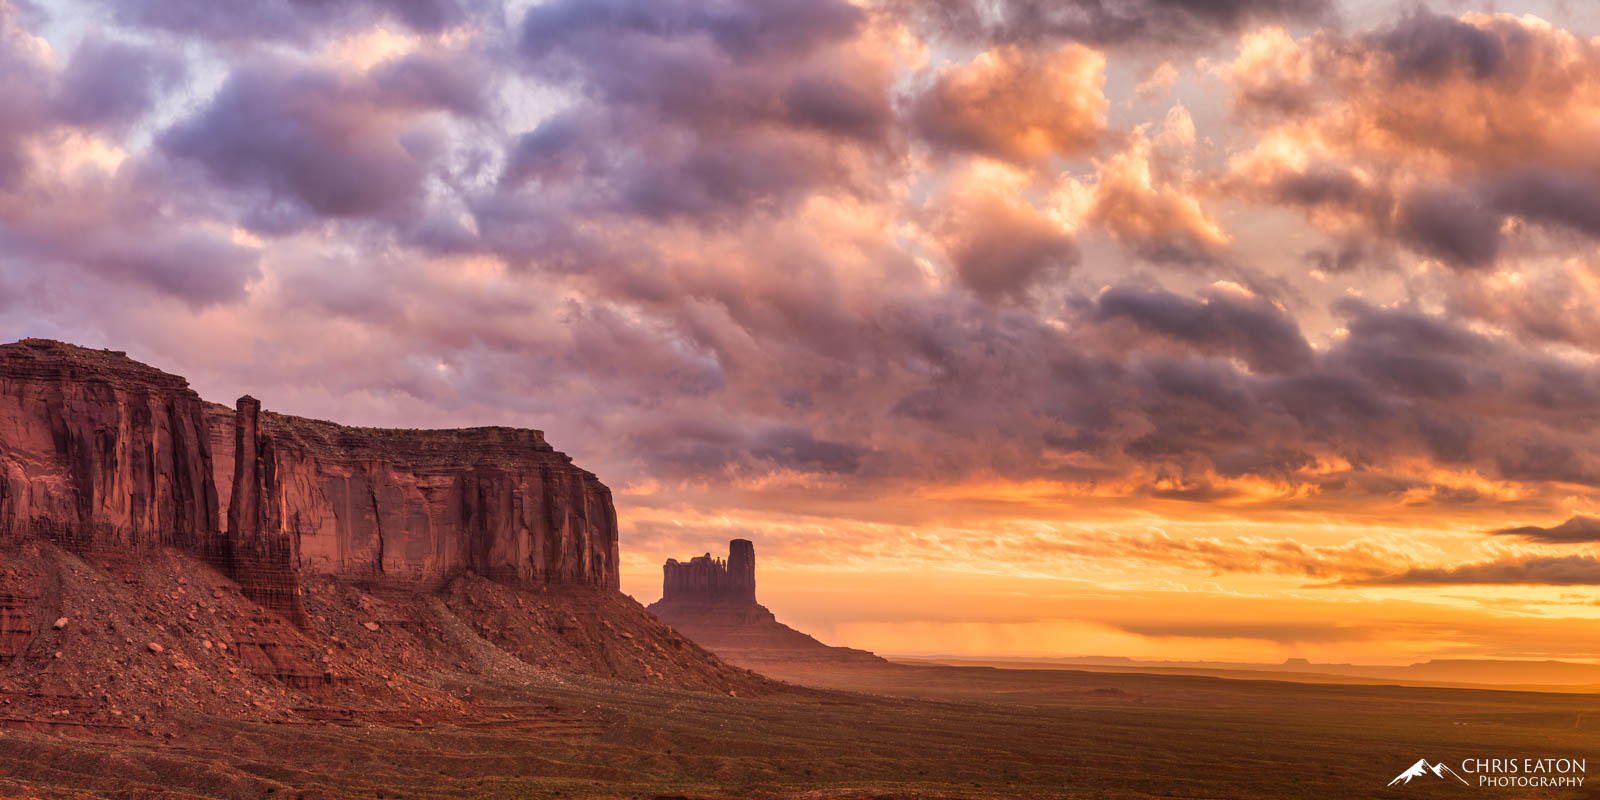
414,507
101,453
256,551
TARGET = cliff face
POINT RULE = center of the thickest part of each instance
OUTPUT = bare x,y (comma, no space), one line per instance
706,579
414,507
99,452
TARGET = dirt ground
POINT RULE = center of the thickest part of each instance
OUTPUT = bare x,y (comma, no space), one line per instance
485,692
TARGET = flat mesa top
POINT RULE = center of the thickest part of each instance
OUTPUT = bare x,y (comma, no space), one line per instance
49,357
36,357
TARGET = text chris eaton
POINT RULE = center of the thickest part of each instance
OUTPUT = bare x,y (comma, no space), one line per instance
1526,771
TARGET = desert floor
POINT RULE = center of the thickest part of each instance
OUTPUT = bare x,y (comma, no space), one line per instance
886,732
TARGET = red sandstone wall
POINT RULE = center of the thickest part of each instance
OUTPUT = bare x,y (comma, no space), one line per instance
419,506
498,501
95,446
99,451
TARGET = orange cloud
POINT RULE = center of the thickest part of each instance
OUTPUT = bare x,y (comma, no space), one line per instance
1018,104
1143,196
1439,134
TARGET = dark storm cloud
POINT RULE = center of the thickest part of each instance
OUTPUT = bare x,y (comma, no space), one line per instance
694,448
291,20
705,113
1261,334
1428,46
1412,354
1550,196
1533,571
793,447
1451,226
1107,21
1577,529
308,142
108,83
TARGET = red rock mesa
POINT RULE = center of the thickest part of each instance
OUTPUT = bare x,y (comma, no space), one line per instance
289,566
101,452
713,602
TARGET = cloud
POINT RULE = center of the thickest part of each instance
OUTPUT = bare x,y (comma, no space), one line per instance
311,142
706,113
1000,243
1159,22
1143,198
1357,559
1580,570
1577,529
26,94
110,83
286,20
72,199
1285,632
1451,226
1017,104
816,246
1538,303
1223,322
1400,134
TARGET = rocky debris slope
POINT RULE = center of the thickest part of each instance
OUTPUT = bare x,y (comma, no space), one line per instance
713,602
138,646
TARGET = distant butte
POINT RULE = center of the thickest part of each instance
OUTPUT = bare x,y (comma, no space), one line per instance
713,602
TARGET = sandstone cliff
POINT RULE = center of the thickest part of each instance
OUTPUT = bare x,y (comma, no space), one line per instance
416,507
713,602
99,453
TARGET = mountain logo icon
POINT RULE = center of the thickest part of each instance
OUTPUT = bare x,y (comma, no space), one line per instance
1422,767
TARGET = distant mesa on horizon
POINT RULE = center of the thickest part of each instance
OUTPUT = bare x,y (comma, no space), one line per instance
713,602
706,579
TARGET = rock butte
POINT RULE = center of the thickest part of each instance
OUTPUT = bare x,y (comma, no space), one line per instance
713,602
102,454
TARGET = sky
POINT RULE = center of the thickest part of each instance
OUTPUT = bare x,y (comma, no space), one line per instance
1239,329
